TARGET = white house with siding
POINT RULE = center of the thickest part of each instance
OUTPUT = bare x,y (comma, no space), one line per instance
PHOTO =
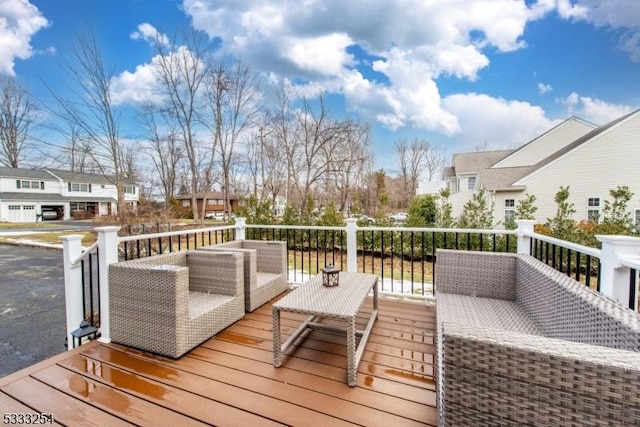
590,160
29,194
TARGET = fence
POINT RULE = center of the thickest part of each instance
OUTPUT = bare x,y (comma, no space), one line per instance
403,258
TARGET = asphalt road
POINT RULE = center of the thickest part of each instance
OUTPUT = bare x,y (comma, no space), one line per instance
32,309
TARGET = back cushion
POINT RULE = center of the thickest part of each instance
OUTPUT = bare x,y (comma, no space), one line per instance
565,309
479,274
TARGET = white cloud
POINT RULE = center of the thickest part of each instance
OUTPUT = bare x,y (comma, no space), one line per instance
137,87
412,44
150,34
622,15
492,123
593,110
326,55
141,85
19,21
544,88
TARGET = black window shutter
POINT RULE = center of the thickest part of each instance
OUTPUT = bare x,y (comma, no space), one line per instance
17,183
69,184
42,185
89,188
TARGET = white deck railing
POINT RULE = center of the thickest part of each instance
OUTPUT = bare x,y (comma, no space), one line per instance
618,255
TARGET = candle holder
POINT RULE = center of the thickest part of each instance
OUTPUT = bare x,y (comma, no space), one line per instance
330,276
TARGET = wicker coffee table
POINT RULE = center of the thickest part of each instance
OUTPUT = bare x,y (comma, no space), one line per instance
341,302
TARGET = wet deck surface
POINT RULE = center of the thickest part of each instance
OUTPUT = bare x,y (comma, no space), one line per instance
230,379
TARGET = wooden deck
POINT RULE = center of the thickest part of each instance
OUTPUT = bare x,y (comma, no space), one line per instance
230,379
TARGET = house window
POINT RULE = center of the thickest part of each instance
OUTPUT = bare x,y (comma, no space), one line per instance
81,187
14,207
471,183
220,201
638,219
186,203
510,203
509,214
211,202
241,202
129,189
593,209
29,207
30,184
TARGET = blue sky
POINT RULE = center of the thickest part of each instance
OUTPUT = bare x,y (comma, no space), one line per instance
464,74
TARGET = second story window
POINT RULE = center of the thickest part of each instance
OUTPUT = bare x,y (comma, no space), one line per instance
129,189
34,185
509,203
81,187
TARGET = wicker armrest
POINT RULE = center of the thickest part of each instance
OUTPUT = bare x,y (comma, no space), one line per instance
520,377
481,274
272,256
213,272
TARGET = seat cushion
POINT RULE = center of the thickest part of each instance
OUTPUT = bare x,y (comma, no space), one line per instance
200,303
266,278
485,312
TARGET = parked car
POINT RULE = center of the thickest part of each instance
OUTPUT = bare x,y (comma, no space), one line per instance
49,215
399,217
216,215
363,218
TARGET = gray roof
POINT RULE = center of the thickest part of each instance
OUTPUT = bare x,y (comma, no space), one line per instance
55,174
465,163
494,179
94,178
503,178
25,174
209,194
589,136
50,197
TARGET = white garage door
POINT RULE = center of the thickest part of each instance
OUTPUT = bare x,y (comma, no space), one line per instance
22,213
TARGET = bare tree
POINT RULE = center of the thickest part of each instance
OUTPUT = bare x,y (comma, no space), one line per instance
433,161
92,110
17,115
181,69
350,160
317,136
230,94
78,151
165,151
412,156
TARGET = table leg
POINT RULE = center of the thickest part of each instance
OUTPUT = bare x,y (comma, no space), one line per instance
277,349
375,298
352,368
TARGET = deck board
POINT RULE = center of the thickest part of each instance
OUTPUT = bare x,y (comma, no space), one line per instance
230,379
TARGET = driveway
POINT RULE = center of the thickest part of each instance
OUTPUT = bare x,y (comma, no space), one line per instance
32,308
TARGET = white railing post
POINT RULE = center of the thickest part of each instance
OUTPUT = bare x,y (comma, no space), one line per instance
108,241
240,228
614,277
72,250
525,229
352,245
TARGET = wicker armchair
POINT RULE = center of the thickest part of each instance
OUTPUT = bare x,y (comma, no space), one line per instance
519,343
169,304
265,269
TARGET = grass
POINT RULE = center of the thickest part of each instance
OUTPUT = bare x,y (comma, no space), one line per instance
311,261
52,238
24,225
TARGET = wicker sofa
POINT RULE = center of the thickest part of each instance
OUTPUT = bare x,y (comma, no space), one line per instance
265,268
168,304
519,343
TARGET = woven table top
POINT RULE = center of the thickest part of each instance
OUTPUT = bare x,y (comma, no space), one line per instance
342,301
